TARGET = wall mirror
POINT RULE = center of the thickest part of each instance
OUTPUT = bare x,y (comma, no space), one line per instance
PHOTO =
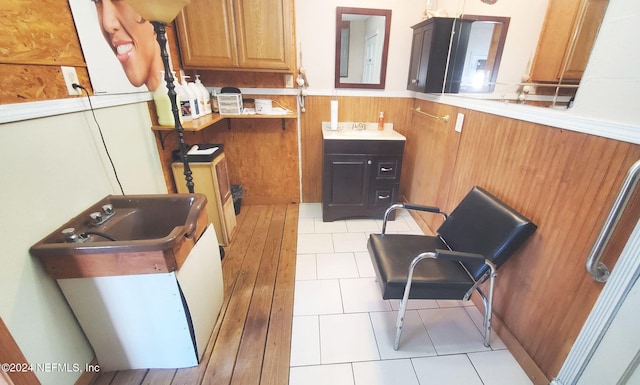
362,44
482,38
545,53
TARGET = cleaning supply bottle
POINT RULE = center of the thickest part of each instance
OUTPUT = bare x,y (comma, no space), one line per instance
183,97
193,99
199,97
205,94
381,121
163,104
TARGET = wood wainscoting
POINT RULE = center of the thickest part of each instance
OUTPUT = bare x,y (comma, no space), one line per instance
261,155
564,181
11,354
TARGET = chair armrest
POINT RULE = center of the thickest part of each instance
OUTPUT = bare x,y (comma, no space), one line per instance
410,206
471,257
459,256
430,209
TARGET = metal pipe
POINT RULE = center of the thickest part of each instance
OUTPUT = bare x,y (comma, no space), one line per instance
597,269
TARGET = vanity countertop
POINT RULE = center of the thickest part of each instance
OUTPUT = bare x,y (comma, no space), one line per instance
368,134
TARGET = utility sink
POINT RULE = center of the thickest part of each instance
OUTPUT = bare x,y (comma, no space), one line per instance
125,235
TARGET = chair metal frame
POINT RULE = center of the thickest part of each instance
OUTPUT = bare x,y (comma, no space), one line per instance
490,274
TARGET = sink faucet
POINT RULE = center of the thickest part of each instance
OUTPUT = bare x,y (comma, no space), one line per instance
359,126
70,236
98,218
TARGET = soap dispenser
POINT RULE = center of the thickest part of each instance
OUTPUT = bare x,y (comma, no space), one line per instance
183,99
163,104
206,96
381,121
193,98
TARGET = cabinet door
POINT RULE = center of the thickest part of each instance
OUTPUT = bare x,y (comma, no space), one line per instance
429,53
586,32
346,180
416,82
564,20
264,30
223,180
206,33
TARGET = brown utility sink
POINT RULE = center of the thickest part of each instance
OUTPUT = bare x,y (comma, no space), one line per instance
151,234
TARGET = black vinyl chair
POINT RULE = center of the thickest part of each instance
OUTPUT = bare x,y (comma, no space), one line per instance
479,236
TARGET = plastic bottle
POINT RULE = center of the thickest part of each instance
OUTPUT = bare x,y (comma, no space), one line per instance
205,94
185,103
199,97
381,121
334,111
163,104
193,98
214,102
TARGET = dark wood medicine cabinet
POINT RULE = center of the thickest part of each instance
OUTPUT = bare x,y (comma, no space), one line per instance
452,55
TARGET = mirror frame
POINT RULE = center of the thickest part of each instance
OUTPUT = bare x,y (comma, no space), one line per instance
385,48
500,47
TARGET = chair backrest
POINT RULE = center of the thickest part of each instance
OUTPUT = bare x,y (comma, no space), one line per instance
483,224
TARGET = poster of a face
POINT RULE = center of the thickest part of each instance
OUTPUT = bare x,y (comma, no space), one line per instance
119,46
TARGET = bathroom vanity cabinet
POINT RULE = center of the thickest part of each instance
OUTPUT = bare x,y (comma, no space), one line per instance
237,35
360,177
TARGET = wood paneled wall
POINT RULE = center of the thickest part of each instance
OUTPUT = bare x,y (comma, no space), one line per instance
261,156
564,181
37,37
10,353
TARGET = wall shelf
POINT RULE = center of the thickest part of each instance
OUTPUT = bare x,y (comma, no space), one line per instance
209,120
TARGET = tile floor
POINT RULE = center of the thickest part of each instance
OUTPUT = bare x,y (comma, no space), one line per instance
343,330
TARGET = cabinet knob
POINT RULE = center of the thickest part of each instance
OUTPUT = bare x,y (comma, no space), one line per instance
369,161
414,81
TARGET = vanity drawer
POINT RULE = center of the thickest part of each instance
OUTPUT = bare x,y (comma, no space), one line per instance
384,196
387,169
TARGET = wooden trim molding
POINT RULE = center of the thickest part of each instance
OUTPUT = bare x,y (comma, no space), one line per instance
11,355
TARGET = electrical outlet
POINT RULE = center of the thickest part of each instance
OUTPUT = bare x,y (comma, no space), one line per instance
288,79
70,77
459,121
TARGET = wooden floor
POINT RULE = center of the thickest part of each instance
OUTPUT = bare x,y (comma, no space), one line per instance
251,341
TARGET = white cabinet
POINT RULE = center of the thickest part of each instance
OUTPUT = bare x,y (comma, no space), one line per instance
212,180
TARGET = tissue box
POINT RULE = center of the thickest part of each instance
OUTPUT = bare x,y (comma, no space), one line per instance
230,104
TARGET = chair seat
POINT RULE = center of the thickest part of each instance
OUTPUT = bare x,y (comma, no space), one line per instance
392,254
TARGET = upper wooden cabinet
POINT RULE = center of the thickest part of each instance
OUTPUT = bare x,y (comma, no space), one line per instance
238,35
564,20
